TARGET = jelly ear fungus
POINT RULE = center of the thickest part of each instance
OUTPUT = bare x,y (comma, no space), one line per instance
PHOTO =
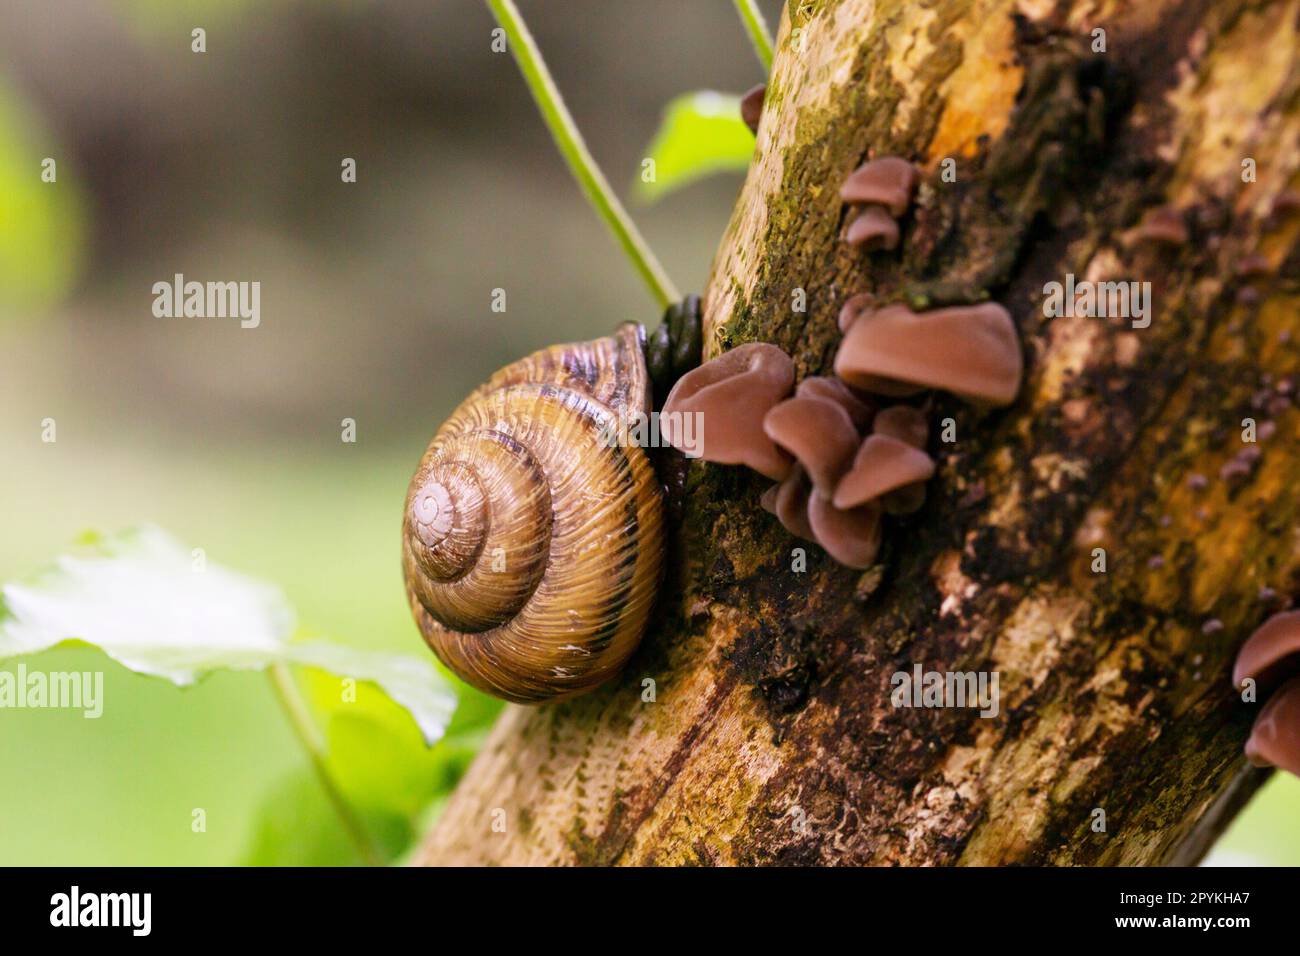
731,394
971,351
1271,657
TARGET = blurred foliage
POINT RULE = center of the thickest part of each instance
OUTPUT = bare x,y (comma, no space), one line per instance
296,826
141,598
41,223
701,133
382,767
162,18
162,609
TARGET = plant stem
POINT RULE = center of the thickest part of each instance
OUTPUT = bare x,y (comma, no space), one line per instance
295,709
756,27
575,152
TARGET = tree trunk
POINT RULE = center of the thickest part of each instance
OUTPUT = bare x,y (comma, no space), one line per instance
773,738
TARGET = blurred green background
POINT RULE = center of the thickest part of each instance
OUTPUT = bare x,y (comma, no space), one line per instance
375,306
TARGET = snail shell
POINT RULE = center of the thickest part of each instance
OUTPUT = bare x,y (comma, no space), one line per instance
532,545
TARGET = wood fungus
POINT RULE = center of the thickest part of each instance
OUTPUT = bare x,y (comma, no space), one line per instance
825,387
971,351
751,107
883,464
836,497
1271,657
888,181
900,423
789,502
1164,224
1252,265
882,190
819,433
855,306
834,486
852,537
904,423
1285,203
732,394
873,229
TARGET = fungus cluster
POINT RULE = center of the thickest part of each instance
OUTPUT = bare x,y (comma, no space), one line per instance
1271,658
879,191
852,466
840,461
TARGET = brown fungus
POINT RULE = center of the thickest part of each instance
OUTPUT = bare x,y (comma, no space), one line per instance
1164,224
855,306
873,229
883,464
789,502
731,394
1275,738
972,351
852,537
1271,657
1285,203
751,107
1252,265
904,423
822,386
888,181
819,433
1271,652
907,424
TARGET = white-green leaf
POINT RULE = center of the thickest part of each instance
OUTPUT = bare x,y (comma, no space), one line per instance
701,133
158,608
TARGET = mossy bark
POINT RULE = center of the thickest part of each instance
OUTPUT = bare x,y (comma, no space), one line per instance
772,737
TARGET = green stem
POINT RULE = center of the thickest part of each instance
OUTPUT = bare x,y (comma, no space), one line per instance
575,152
295,709
756,27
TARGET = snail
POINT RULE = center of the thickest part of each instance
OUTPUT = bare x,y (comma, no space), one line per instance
532,544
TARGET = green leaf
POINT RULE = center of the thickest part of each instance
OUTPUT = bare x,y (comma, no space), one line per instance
376,753
295,826
701,133
378,759
161,609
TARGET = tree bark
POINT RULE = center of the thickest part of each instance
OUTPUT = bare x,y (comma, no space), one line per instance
773,738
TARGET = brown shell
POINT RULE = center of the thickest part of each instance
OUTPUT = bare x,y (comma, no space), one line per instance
532,544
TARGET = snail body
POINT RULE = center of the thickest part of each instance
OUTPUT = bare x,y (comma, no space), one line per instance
532,544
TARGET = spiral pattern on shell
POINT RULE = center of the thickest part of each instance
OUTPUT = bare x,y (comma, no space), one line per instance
532,544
